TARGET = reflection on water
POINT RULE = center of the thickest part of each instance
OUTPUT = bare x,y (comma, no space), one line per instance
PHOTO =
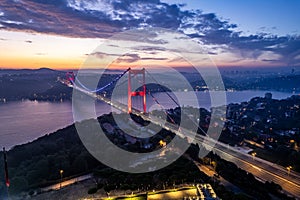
24,121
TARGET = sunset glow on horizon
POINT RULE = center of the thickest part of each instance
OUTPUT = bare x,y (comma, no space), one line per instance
33,51
72,32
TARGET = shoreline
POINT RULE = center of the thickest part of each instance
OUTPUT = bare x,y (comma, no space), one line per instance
65,111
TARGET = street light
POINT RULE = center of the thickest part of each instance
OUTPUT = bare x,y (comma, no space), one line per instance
289,169
61,175
214,164
253,155
162,143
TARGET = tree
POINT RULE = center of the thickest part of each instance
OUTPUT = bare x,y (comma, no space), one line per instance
18,184
92,190
79,165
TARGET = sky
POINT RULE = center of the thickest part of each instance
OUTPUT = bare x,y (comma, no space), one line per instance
278,17
69,34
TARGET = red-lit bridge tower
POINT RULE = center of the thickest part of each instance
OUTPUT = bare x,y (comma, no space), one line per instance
140,76
70,77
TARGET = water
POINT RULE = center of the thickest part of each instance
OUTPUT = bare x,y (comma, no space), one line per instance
24,121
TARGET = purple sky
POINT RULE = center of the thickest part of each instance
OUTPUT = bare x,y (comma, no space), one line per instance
62,33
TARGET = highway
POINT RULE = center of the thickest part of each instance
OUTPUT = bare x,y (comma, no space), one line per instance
260,168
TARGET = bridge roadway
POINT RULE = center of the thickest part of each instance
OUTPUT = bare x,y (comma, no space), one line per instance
260,168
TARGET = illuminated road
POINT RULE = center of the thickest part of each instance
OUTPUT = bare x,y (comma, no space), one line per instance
211,173
261,169
67,182
266,172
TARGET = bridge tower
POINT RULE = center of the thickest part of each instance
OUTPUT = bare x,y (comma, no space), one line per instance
70,77
140,76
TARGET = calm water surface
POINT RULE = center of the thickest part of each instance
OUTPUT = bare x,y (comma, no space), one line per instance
24,121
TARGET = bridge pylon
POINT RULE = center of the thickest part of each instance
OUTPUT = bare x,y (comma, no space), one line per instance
140,75
70,77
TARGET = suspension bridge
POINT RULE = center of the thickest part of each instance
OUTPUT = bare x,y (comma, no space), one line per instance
78,85
262,169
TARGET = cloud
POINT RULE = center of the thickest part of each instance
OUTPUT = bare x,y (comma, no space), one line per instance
104,18
269,60
212,53
153,50
91,18
40,54
54,17
128,58
287,47
211,30
153,58
103,54
119,58
125,58
150,48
